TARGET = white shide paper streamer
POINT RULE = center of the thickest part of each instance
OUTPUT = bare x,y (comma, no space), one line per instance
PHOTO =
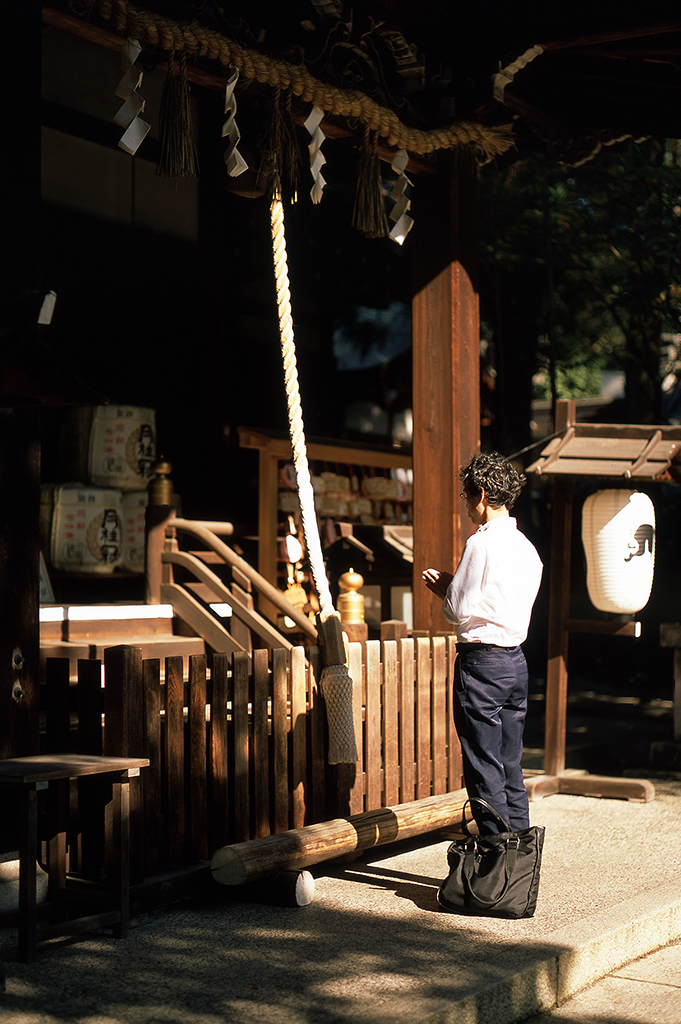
236,164
128,116
400,211
317,158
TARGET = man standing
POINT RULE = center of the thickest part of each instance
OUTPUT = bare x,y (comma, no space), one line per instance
489,601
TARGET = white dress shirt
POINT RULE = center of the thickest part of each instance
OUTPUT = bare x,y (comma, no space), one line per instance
495,585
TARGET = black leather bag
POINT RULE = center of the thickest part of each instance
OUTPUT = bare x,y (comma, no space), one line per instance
494,875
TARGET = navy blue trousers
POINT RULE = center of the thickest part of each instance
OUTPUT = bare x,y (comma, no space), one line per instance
490,707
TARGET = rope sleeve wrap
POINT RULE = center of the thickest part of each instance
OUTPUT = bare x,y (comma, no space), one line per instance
336,687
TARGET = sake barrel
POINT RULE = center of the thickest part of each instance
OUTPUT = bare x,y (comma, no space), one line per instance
109,445
618,534
133,507
84,525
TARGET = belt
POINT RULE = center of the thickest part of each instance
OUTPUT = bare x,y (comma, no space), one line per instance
463,647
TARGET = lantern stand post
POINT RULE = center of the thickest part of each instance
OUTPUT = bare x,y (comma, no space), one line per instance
554,779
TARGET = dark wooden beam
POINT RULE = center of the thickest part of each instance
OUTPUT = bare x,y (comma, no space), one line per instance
615,35
605,627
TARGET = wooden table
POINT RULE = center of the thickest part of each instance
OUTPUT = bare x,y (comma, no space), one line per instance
33,774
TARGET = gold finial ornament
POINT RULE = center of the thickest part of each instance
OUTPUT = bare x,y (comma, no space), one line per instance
160,487
350,601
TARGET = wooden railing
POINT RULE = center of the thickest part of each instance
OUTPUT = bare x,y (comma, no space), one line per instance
238,748
190,599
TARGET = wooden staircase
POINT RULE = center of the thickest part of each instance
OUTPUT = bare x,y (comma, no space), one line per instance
197,601
83,632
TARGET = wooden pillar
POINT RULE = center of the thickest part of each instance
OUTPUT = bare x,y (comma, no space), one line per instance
19,581
446,365
559,608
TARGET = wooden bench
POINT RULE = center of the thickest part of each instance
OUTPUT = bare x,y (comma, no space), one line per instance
31,775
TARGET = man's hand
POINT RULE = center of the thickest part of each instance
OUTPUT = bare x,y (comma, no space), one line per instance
437,581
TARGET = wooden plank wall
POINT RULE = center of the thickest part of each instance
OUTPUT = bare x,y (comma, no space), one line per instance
238,749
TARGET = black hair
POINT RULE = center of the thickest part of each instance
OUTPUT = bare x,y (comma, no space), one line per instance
491,472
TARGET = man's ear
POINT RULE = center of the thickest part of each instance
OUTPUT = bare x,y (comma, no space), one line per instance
482,500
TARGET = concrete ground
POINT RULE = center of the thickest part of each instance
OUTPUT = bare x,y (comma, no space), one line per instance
373,947
647,991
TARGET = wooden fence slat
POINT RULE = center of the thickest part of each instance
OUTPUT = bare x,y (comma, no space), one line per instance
220,676
152,777
174,760
197,757
391,767
240,745
123,707
57,704
90,705
317,775
298,736
260,746
124,734
439,715
455,773
93,791
373,724
423,704
280,739
407,715
356,671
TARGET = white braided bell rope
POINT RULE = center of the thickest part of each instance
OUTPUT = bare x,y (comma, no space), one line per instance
336,683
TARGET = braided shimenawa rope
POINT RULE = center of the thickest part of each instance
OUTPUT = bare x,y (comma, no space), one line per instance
295,415
336,683
197,40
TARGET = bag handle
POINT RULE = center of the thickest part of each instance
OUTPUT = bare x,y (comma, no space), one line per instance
478,800
509,867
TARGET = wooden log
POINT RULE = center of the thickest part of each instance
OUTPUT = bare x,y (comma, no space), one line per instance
300,847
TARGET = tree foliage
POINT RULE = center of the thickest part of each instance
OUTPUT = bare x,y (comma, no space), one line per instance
588,259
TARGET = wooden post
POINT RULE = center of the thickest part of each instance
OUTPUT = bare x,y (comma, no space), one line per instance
559,608
553,781
156,518
19,427
19,582
393,629
446,363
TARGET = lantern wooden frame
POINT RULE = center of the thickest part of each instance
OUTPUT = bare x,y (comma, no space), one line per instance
631,453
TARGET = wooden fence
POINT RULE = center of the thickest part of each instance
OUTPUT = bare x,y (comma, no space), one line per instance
238,749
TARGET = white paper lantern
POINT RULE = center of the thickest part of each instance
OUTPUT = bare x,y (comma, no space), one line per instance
618,533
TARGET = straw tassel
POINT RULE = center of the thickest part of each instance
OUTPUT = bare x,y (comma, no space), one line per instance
369,214
281,143
178,158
